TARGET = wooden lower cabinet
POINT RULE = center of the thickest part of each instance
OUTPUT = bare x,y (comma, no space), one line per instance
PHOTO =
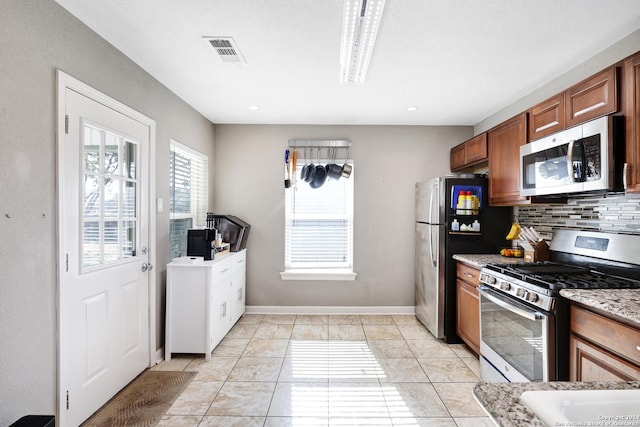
468,306
592,363
602,349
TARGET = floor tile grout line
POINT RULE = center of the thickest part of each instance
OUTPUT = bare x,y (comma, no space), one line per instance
458,355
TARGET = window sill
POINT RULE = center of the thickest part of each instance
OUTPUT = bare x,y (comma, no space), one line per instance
319,274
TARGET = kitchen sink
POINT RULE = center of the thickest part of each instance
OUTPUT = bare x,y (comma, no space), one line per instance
584,407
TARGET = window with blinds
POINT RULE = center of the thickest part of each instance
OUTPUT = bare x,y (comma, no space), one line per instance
188,195
319,225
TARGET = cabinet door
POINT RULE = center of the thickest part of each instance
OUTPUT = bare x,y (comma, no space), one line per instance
632,97
457,157
468,314
594,97
238,278
547,117
589,362
469,153
504,160
221,315
475,150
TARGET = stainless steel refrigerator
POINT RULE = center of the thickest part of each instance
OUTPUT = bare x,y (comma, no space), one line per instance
445,226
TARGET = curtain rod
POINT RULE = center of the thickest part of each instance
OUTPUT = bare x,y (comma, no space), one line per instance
320,143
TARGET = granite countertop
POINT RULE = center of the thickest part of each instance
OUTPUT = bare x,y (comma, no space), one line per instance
620,304
480,260
502,400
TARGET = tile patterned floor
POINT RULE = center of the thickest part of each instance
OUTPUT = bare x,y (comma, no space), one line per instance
337,370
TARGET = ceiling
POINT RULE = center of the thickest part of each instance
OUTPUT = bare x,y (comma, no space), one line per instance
458,61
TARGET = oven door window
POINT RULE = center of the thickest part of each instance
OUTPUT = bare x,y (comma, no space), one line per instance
517,333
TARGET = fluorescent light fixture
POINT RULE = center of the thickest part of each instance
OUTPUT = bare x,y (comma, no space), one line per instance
253,107
412,108
360,22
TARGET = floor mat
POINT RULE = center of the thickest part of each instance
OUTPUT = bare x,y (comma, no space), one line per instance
144,401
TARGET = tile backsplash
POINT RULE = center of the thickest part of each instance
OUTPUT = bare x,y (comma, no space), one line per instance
611,212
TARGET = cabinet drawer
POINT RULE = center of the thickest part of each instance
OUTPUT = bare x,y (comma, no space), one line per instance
468,274
238,262
610,334
222,271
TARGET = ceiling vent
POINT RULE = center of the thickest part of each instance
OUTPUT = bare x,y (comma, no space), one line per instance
227,49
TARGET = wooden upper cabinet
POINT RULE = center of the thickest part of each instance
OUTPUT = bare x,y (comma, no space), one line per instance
547,117
632,111
469,153
457,157
504,161
475,149
591,98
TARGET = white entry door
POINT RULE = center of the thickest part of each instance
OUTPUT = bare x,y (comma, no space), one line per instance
104,282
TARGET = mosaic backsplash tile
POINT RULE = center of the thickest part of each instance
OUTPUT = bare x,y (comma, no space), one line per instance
611,212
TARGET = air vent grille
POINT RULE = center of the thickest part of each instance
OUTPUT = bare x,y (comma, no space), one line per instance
227,49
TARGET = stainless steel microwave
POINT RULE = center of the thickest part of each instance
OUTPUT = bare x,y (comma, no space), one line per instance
585,158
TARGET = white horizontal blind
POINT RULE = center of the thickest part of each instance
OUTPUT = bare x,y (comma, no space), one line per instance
319,224
188,195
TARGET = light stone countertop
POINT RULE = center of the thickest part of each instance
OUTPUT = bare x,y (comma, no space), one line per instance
501,401
620,304
480,260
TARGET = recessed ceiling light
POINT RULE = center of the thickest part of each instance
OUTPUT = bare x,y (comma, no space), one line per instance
253,107
413,108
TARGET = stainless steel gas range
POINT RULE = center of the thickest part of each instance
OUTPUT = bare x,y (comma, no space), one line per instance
524,322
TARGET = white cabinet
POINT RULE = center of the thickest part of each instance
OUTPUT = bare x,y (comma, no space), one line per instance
204,300
238,275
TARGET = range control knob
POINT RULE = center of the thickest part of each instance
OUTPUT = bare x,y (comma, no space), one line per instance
505,286
520,293
491,280
531,297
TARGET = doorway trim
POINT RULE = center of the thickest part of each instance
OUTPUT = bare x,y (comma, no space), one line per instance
64,82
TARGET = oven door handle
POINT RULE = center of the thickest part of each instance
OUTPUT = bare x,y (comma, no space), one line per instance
513,306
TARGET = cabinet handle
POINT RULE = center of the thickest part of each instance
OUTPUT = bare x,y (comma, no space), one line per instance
469,275
224,271
638,348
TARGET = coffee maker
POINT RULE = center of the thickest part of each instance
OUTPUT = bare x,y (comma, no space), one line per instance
201,242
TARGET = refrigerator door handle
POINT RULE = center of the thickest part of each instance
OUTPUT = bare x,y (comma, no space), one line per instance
434,190
432,253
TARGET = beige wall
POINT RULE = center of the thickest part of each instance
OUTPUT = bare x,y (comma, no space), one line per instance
389,160
36,38
625,47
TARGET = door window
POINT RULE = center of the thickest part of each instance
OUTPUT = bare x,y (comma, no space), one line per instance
110,197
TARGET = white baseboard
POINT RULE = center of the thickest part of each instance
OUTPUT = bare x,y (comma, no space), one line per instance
285,309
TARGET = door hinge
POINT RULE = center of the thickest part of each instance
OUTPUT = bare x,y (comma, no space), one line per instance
67,399
67,262
66,124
